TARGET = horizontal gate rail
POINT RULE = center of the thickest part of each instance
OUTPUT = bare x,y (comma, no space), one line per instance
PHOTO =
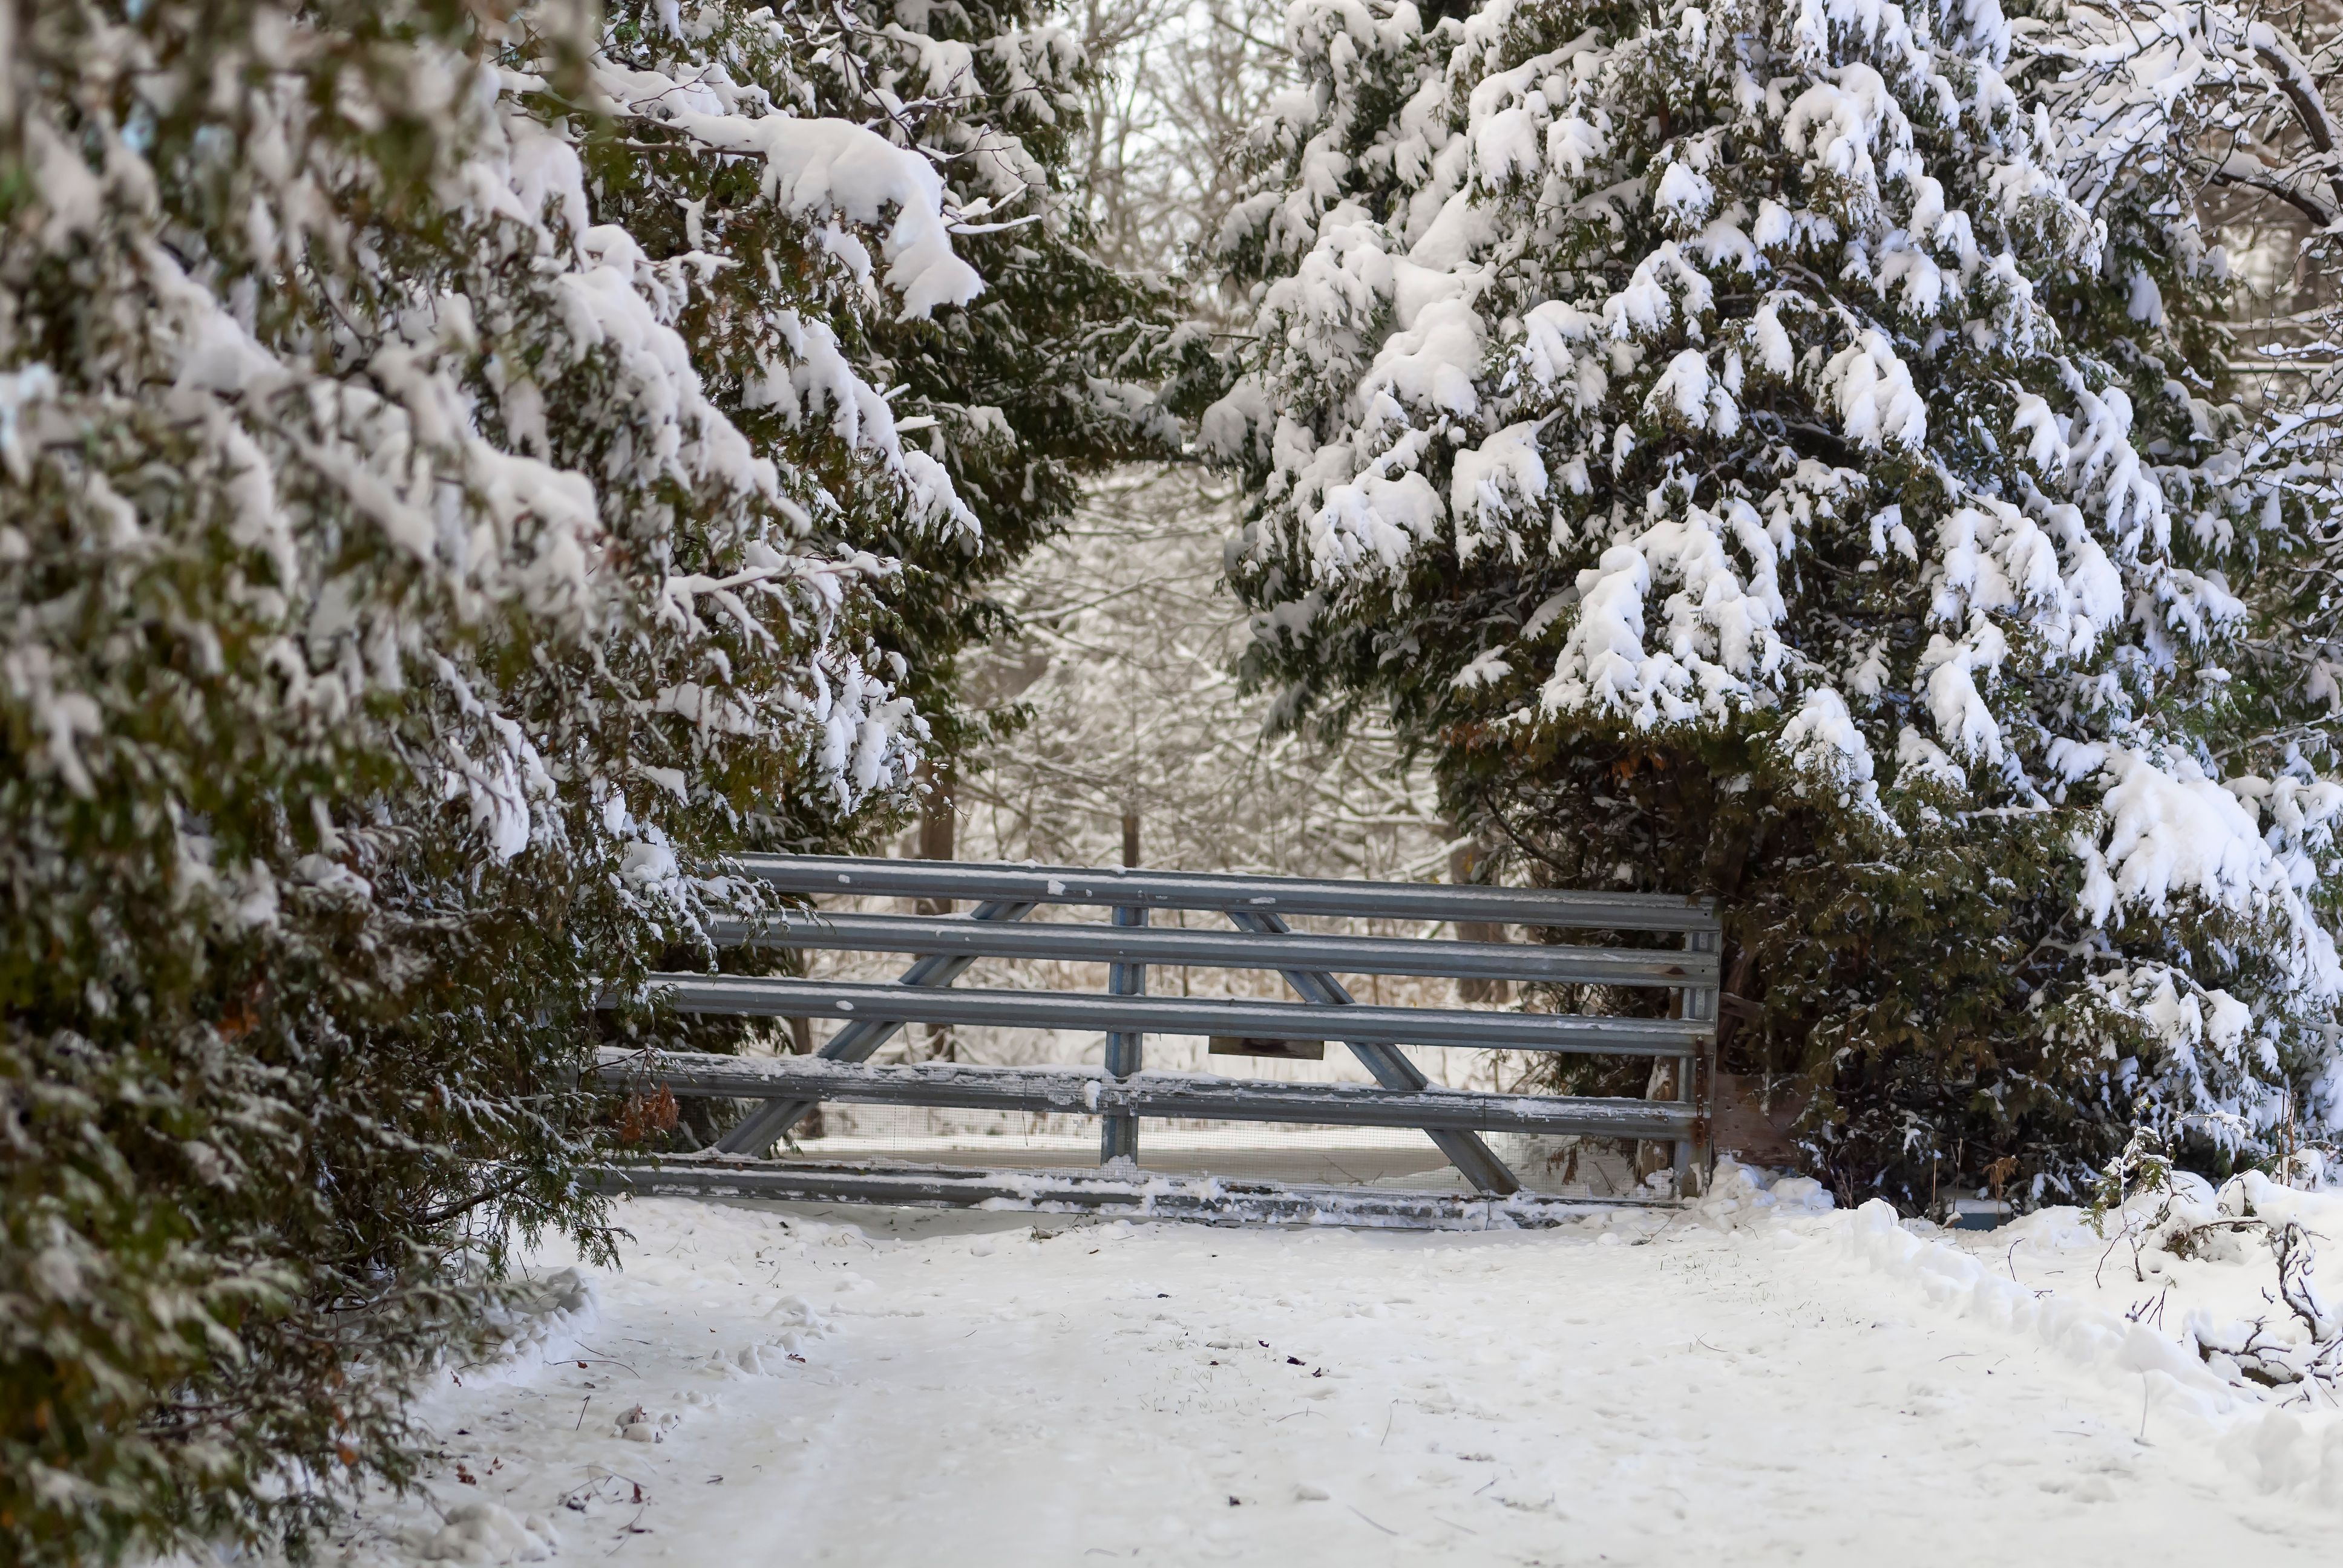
1094,1192
1287,896
1549,964
1159,1094
1261,909
749,996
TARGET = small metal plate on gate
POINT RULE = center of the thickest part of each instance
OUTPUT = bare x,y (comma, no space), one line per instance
1277,1050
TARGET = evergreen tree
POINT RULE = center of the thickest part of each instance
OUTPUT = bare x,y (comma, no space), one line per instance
992,401
1016,392
414,580
1739,442
2233,107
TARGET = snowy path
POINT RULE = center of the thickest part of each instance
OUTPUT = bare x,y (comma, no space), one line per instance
976,1391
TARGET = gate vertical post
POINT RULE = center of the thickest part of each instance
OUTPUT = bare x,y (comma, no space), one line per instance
1696,1073
1119,1132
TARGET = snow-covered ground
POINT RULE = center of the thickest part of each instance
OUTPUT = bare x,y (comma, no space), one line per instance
1749,1381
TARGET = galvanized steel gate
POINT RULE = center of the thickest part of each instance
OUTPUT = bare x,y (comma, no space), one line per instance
1260,910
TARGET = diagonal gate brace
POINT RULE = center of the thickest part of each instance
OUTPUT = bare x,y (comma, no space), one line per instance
1478,1163
858,1041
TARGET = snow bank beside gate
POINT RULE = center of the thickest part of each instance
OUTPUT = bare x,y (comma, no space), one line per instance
2275,1449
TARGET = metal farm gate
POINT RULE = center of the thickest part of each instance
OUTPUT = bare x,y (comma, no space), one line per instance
1260,911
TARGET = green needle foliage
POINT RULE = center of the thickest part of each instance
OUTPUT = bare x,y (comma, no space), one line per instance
449,496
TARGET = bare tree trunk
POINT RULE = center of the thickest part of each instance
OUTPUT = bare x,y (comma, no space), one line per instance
937,822
1130,837
1463,866
938,819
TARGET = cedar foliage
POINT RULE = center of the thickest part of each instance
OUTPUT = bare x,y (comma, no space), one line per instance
449,497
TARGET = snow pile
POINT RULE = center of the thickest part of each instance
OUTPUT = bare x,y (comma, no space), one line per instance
482,1534
1742,1194
2090,1335
2258,1388
536,1321
2197,1285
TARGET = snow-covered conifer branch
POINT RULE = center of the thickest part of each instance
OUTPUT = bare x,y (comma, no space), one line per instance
1818,412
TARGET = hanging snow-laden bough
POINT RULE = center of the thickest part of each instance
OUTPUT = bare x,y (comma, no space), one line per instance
421,554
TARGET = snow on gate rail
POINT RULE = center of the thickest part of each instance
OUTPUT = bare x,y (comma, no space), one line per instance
1260,910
